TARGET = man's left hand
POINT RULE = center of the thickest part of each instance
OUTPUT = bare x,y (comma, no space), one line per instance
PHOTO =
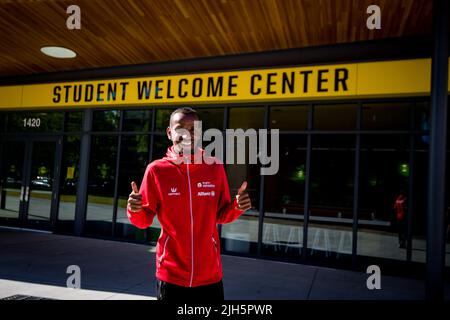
243,199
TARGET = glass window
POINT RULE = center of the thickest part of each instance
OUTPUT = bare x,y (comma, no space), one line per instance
284,200
160,145
133,162
419,209
331,198
211,118
137,120
241,236
12,180
74,121
386,116
289,118
102,170
41,182
422,122
107,120
162,119
447,208
246,118
34,121
2,122
68,184
335,117
384,175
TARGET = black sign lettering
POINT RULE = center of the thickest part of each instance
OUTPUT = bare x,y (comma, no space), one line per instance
169,93
305,80
197,86
288,82
144,86
214,90
181,93
340,76
89,92
100,91
56,94
232,85
77,93
254,91
321,79
66,94
112,88
124,89
158,89
270,83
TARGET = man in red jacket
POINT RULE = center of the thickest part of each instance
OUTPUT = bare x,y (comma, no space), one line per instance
190,199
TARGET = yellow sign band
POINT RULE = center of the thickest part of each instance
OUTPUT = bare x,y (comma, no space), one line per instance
368,79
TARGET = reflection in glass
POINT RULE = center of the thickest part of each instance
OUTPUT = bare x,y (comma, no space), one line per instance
384,174
289,118
386,116
211,118
335,117
162,119
284,200
447,197
2,122
11,179
107,120
68,183
241,236
137,120
419,209
160,145
133,162
74,120
41,181
246,118
102,169
331,197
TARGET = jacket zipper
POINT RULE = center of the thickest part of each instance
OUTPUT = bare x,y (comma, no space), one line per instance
192,225
215,248
164,250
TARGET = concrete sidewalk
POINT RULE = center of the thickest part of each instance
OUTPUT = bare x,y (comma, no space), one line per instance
35,263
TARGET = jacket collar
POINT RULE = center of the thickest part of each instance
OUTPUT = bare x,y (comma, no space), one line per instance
183,160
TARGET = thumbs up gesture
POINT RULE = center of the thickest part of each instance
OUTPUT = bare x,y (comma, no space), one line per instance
135,199
243,199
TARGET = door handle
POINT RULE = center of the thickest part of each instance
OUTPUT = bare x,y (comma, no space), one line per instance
21,193
27,193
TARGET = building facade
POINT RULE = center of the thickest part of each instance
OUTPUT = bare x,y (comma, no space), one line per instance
353,137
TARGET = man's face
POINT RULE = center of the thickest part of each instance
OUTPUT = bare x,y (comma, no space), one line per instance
181,132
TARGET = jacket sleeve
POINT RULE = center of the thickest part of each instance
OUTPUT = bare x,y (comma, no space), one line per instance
150,202
228,211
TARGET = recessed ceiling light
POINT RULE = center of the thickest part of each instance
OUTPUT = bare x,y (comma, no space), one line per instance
58,52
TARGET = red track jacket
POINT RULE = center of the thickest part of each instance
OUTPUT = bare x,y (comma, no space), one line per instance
189,199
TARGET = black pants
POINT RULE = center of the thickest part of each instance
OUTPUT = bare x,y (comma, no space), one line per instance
173,293
402,230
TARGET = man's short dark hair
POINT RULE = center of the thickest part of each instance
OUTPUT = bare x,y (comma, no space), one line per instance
183,110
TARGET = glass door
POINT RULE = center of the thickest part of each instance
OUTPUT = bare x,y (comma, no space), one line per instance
40,184
12,182
28,183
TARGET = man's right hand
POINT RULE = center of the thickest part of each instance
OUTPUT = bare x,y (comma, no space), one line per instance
135,199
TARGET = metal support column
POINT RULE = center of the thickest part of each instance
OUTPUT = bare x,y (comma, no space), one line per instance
436,180
85,148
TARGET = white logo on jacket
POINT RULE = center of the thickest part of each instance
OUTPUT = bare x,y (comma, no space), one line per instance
173,192
205,184
206,194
